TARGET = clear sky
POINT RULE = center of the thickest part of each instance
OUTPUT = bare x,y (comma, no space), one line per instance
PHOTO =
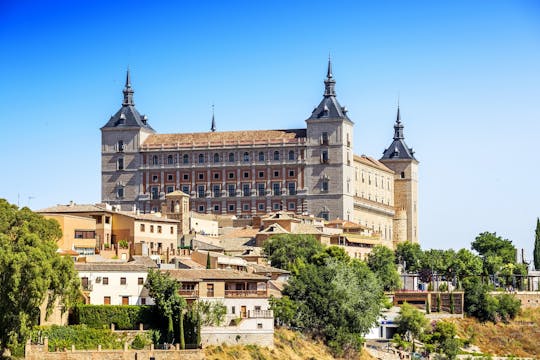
467,74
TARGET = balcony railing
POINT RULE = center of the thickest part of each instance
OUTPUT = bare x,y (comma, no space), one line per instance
245,293
189,293
261,314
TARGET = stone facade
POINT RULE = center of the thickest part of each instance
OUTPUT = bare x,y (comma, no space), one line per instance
247,173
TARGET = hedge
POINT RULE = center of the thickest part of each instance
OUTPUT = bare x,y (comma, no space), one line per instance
83,337
124,317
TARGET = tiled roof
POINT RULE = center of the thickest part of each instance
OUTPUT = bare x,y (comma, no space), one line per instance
212,274
240,233
369,161
259,268
74,208
121,267
146,217
305,229
221,137
145,261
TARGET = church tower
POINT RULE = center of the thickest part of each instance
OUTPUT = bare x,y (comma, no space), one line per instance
121,139
401,160
329,171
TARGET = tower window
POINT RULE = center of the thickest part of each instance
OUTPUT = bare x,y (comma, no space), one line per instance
324,157
120,192
120,145
402,175
120,164
324,186
324,138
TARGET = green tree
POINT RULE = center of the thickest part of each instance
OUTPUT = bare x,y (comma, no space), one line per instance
444,339
382,262
284,250
537,245
31,273
409,254
165,291
284,309
208,264
495,251
411,323
466,263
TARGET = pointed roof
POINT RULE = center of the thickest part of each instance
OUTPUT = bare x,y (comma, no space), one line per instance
128,116
329,107
398,150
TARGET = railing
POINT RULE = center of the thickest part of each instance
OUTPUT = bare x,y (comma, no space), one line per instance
188,293
261,314
245,293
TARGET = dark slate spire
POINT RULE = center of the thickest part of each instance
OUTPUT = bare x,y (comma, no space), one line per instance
213,127
329,83
398,150
329,106
128,92
128,116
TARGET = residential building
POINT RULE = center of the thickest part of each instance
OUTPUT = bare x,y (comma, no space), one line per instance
245,173
78,234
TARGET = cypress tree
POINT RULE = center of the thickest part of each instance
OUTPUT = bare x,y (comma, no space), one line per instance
208,266
537,245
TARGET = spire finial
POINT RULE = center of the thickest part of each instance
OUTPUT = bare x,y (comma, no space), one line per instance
213,127
128,91
329,71
398,127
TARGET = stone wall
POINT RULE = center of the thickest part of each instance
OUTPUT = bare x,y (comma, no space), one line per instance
529,299
40,352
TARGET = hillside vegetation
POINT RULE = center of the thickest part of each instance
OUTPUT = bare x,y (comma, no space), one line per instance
517,338
287,345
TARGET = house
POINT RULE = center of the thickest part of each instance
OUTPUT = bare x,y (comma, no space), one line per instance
248,320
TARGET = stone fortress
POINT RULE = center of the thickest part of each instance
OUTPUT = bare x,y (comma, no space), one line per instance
253,172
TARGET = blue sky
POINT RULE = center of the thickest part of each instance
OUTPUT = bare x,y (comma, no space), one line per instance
467,74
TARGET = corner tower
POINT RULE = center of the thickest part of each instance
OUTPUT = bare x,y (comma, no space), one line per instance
329,156
401,160
121,139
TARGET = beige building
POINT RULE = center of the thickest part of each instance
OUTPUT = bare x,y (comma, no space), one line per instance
311,170
78,234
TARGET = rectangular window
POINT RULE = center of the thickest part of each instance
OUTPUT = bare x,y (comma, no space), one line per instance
125,300
324,157
230,175
159,229
292,188
140,281
170,189
200,191
291,173
232,190
169,177
151,228
201,208
324,139
155,178
276,189
185,176
143,301
185,189
276,173
122,281
245,207
121,164
107,219
231,207
246,174
233,310
216,190
210,290
120,145
201,176
120,192
246,190
216,176
85,234
261,206
142,227
261,174
155,193
106,300
260,189
105,281
325,186
291,206
216,207
276,206
172,230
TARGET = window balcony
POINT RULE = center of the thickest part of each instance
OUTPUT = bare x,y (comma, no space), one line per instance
245,293
260,314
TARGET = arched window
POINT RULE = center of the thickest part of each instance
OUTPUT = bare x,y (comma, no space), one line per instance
291,155
231,157
169,159
246,156
201,158
185,158
276,155
261,156
155,160
216,157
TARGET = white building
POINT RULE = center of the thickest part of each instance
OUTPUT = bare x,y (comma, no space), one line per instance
114,283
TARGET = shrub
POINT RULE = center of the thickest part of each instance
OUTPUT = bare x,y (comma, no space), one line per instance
141,341
125,317
82,336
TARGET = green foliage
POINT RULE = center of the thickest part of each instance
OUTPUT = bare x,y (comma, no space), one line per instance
411,322
284,309
465,263
123,244
284,250
169,303
480,304
381,261
125,317
212,313
400,342
31,272
495,251
82,336
208,264
442,339
536,252
141,341
410,254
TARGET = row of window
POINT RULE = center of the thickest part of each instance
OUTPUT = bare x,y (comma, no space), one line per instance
217,158
216,175
125,300
276,206
230,190
142,228
105,281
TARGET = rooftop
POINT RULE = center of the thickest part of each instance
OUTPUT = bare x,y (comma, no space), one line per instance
212,274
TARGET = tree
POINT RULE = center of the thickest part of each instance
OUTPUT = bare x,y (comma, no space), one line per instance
208,264
537,245
411,323
284,309
465,263
495,251
164,290
381,261
31,272
410,255
284,250
444,339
